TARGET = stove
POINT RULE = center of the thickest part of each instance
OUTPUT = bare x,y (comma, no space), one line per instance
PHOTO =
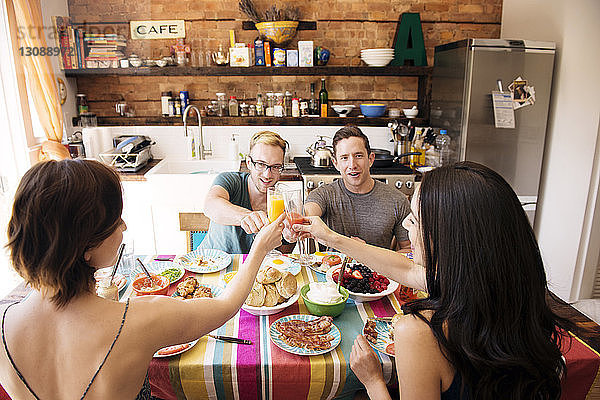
400,176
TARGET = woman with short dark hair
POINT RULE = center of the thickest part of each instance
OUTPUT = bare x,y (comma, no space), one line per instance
65,342
485,331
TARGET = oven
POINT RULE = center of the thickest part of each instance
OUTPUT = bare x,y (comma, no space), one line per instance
400,176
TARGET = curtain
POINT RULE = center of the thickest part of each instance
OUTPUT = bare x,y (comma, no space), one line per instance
28,27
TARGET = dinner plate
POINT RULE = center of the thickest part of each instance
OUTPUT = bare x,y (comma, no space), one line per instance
319,260
217,260
383,337
272,310
216,290
301,351
157,267
119,280
282,263
188,346
364,297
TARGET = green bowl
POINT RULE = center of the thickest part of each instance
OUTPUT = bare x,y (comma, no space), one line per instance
320,309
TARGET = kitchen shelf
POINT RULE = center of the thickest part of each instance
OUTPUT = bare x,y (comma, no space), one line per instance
254,71
251,121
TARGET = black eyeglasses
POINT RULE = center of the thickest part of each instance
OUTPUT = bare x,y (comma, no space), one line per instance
262,167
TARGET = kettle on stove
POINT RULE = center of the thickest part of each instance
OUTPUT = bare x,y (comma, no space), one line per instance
321,154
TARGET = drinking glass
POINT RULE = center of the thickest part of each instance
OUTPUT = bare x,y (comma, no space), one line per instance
294,210
275,204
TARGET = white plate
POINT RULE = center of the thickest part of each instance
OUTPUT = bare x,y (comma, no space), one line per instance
217,260
276,336
320,259
287,264
118,279
364,297
157,267
383,337
274,309
188,345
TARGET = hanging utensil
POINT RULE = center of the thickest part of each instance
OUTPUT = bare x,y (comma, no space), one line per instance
144,269
119,256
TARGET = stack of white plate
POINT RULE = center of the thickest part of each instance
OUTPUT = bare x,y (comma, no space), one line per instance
377,57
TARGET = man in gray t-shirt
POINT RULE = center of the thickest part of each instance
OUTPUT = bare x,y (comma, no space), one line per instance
357,205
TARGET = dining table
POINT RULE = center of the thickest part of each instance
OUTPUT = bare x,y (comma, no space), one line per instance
214,369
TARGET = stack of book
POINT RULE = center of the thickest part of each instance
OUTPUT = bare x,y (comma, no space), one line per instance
80,49
104,49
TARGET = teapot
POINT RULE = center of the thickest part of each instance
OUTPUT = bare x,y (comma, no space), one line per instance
322,155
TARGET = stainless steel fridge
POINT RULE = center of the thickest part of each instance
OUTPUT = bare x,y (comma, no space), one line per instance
465,75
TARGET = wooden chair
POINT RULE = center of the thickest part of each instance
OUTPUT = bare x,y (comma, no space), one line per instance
195,224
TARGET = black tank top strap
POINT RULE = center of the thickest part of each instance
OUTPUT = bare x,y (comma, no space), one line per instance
22,378
109,350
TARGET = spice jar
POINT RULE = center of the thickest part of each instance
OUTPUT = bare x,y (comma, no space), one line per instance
243,110
233,107
295,107
259,105
270,105
252,110
278,109
164,103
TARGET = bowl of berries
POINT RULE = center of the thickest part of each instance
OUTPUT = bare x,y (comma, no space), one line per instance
362,283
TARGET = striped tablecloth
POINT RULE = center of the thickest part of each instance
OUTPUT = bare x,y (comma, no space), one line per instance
217,370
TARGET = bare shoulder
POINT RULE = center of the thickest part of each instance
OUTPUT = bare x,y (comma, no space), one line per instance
410,328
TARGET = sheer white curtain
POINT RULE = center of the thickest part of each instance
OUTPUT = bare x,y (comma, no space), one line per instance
14,154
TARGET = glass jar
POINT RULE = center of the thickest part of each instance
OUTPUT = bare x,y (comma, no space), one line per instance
82,104
233,107
270,104
222,106
278,109
288,103
107,289
243,110
252,110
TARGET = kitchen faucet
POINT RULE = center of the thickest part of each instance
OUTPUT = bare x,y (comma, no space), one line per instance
203,152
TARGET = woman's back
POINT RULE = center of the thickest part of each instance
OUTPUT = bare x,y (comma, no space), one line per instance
58,351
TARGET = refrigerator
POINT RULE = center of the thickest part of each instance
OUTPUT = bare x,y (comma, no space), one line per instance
492,97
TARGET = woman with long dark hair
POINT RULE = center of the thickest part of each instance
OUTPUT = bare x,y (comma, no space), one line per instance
485,331
63,341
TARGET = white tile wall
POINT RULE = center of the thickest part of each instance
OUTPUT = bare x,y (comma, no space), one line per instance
170,142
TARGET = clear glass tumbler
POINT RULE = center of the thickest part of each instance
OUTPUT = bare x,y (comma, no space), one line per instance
294,210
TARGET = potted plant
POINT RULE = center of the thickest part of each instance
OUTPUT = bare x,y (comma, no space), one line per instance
276,25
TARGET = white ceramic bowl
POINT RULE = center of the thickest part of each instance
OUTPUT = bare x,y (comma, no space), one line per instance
364,297
342,110
136,62
162,62
377,63
410,113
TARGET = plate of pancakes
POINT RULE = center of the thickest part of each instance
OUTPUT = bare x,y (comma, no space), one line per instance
272,292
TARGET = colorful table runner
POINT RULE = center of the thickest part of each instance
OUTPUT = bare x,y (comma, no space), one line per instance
218,370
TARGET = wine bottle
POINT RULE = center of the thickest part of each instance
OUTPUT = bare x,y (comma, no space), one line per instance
313,104
323,99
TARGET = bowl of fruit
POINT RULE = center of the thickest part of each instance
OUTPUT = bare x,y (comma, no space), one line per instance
362,283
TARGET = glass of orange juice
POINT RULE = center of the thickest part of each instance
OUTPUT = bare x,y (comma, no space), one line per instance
294,210
275,204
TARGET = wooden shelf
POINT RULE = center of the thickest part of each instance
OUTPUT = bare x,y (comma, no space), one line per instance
251,121
254,71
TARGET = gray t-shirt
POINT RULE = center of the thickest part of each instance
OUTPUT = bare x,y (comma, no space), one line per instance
375,217
229,238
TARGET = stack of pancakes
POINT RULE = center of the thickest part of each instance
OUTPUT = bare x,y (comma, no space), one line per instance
271,287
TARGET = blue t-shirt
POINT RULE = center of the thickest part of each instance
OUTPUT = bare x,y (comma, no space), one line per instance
229,238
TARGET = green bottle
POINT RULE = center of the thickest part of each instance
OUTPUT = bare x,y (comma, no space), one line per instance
323,99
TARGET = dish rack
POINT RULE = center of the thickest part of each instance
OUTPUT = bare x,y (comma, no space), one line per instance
127,162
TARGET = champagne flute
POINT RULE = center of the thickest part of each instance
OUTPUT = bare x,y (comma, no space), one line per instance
294,210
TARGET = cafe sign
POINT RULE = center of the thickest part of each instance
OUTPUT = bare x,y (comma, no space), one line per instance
168,29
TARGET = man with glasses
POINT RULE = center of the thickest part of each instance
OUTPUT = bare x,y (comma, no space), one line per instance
237,202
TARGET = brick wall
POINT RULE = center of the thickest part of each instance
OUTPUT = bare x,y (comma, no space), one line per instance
343,26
